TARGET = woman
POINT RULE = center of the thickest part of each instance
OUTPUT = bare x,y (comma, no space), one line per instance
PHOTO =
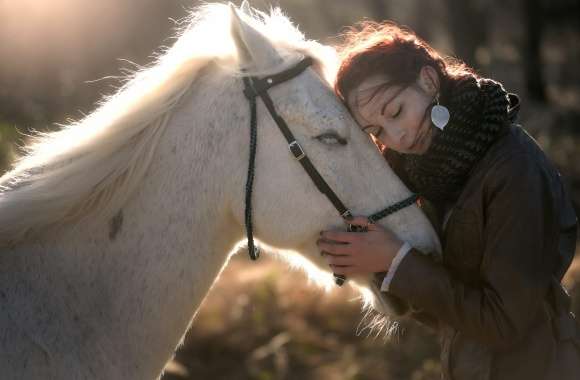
507,226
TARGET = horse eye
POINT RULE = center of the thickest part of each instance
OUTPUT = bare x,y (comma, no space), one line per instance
331,138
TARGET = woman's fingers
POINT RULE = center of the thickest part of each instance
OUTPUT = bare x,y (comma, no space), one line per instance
338,236
349,253
350,237
333,248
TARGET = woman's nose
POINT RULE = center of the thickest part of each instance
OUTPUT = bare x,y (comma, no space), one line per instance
398,134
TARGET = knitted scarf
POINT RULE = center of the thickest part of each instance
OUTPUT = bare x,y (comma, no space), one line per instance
479,117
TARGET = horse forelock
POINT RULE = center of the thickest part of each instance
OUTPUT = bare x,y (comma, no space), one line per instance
92,166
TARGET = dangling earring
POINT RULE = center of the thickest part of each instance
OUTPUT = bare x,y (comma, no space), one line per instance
439,114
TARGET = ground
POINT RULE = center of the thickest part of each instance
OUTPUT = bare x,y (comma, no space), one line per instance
263,321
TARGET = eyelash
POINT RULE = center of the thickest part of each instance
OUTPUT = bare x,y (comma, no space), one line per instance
398,112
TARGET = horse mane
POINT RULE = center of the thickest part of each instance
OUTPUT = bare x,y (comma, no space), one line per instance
92,166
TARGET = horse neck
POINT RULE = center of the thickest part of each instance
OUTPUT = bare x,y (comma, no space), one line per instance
147,270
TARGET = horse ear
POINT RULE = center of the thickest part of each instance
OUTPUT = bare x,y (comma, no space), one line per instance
254,50
245,7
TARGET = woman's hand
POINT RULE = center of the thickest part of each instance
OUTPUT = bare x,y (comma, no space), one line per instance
351,253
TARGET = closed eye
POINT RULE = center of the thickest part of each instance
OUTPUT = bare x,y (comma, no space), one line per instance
397,113
331,138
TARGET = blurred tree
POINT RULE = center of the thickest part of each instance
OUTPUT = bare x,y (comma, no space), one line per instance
558,11
532,62
379,9
468,23
539,16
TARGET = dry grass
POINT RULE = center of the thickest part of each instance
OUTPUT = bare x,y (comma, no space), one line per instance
262,321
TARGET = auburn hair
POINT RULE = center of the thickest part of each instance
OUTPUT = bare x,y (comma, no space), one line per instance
371,48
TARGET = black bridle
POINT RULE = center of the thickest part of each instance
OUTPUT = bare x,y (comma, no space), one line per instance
258,87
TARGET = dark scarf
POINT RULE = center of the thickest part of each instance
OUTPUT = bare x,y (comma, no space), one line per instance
479,117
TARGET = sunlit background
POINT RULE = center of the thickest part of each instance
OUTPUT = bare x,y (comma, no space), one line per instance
58,57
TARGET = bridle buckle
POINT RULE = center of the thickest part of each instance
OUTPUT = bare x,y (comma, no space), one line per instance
296,150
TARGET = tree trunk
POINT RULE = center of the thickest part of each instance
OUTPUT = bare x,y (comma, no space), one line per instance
535,82
469,29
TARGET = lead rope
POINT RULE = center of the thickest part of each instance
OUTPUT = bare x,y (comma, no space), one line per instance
253,251
393,208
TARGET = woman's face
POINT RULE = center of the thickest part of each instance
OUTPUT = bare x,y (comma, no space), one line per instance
397,117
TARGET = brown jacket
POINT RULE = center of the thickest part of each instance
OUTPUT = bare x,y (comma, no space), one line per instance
496,297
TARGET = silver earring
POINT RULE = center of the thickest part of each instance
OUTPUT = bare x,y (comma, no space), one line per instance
439,114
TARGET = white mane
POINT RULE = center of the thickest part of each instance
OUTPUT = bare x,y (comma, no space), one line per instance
95,164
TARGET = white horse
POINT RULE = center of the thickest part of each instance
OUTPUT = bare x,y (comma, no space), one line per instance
113,229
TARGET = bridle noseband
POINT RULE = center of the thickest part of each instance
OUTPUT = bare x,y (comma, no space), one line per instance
258,87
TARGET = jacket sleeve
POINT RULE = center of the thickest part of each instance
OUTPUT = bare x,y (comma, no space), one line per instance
520,233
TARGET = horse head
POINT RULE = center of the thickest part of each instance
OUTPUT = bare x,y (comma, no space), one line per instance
289,210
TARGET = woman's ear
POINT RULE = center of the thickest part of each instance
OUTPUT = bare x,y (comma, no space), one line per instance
429,80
